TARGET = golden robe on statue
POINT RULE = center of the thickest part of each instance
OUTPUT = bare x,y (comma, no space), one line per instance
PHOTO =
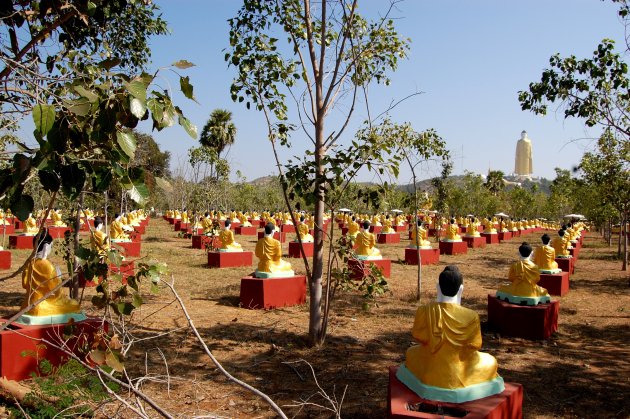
366,242
227,241
544,258
524,277
448,355
38,279
269,253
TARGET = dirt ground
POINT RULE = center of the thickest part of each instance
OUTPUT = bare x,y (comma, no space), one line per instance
583,371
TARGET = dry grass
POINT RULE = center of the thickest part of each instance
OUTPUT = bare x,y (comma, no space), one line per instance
583,371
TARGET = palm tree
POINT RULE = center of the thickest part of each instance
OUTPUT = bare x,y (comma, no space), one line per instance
219,132
494,182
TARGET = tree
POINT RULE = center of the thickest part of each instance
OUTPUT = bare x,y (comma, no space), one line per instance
333,54
219,132
608,170
494,181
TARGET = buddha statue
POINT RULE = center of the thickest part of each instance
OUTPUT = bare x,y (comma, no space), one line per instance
387,226
303,232
117,231
447,365
419,237
376,220
226,237
242,218
41,277
55,215
544,257
452,232
472,230
30,226
177,215
488,226
269,254
561,245
524,277
365,242
98,239
353,228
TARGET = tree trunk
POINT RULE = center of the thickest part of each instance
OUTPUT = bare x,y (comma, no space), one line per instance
623,231
74,288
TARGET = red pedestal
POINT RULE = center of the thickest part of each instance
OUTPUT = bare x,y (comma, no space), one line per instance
491,238
506,405
361,268
258,293
130,249
21,242
388,238
376,229
399,229
474,242
505,236
202,241
575,252
246,231
556,284
195,232
566,264
170,220
7,229
453,248
18,225
276,235
230,259
428,256
19,339
287,228
140,229
294,249
528,322
179,226
57,232
5,259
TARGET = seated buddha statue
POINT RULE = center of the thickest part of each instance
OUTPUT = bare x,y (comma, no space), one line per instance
353,228
30,226
488,226
117,231
40,277
544,257
524,276
98,239
55,216
242,218
3,218
561,245
269,254
503,225
376,220
472,230
184,217
365,242
177,215
303,231
207,224
447,364
286,218
419,237
387,226
452,232
226,237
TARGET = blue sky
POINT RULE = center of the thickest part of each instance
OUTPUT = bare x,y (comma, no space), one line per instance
469,58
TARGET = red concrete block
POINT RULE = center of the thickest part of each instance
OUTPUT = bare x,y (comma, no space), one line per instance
294,249
57,232
202,241
246,231
399,229
20,242
130,249
5,259
18,225
516,233
400,399
575,252
474,242
528,322
19,339
194,232
453,248
491,238
170,220
269,293
126,269
140,229
276,235
388,238
556,284
505,236
287,228
7,229
428,256
360,268
566,264
376,229
230,259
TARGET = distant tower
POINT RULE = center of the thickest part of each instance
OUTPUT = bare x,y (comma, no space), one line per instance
523,160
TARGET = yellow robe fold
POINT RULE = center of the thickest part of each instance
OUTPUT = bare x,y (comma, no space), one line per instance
544,258
269,253
39,278
524,276
366,241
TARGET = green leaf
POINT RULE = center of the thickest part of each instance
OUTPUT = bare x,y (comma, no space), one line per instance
80,107
21,206
190,128
138,89
101,180
112,360
109,63
88,94
125,308
127,142
114,257
187,88
137,300
183,64
97,356
138,192
138,109
44,117
50,180
72,180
